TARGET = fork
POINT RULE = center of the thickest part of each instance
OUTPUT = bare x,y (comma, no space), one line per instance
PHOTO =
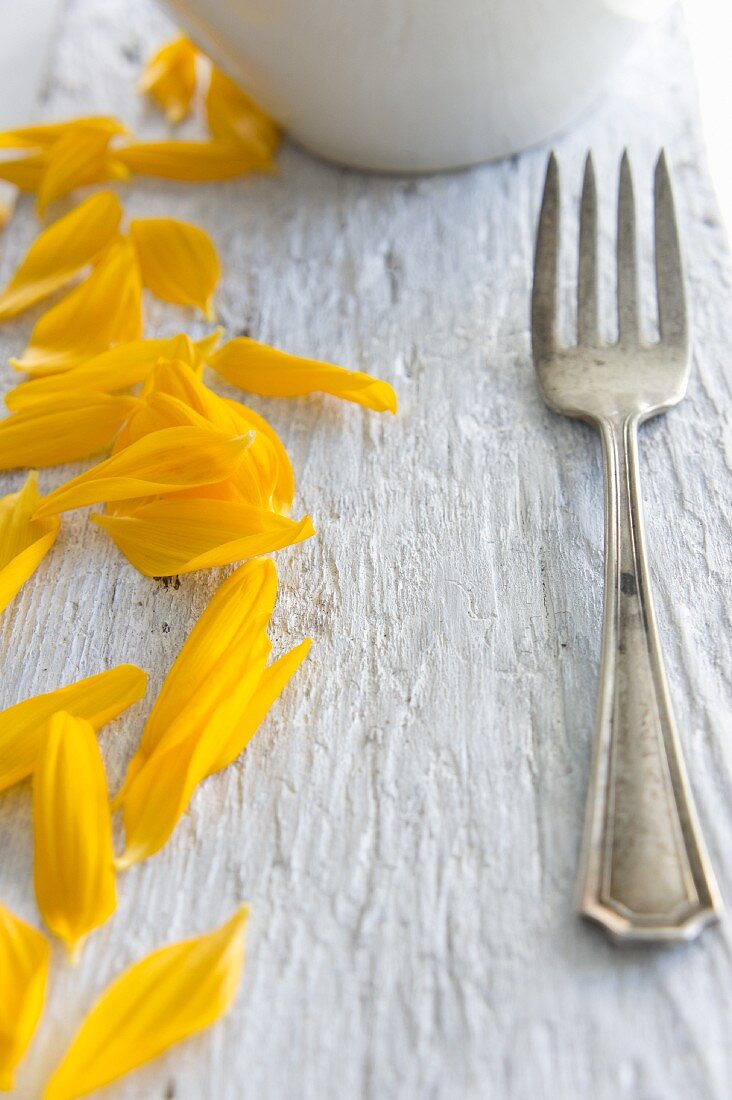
644,871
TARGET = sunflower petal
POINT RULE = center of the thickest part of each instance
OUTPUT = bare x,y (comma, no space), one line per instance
25,173
178,261
98,699
264,370
44,134
24,541
65,428
171,994
194,161
216,653
199,723
175,458
119,368
62,250
233,116
105,309
74,860
78,158
169,78
274,680
175,536
24,959
273,478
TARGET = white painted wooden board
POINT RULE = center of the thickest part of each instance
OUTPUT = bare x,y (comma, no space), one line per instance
406,823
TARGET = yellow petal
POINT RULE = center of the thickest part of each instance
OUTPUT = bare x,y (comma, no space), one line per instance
273,681
25,173
178,261
194,161
175,536
201,741
207,712
98,699
74,861
175,458
272,467
171,994
119,368
255,482
169,77
24,541
232,115
105,309
264,370
45,134
62,250
65,428
79,158
24,959
216,652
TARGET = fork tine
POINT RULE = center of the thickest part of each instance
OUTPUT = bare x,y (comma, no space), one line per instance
628,324
544,294
587,326
672,317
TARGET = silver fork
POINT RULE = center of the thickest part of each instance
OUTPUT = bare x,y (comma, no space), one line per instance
644,871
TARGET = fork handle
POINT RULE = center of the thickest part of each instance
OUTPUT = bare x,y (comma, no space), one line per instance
644,873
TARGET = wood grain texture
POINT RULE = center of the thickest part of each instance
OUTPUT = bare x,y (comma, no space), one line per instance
406,824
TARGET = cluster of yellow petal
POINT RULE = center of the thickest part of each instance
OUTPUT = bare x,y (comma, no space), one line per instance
175,261
211,704
97,699
24,959
170,79
190,480
61,157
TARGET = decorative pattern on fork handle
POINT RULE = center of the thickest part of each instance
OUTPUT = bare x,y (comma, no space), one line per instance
644,871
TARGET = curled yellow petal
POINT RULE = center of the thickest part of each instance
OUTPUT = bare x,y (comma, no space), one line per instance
174,536
232,115
61,251
260,479
272,373
45,134
98,699
105,309
79,158
74,861
194,161
178,261
171,994
169,78
272,482
24,541
119,368
209,708
24,959
175,458
65,428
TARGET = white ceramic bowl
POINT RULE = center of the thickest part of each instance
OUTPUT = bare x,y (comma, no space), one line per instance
417,85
